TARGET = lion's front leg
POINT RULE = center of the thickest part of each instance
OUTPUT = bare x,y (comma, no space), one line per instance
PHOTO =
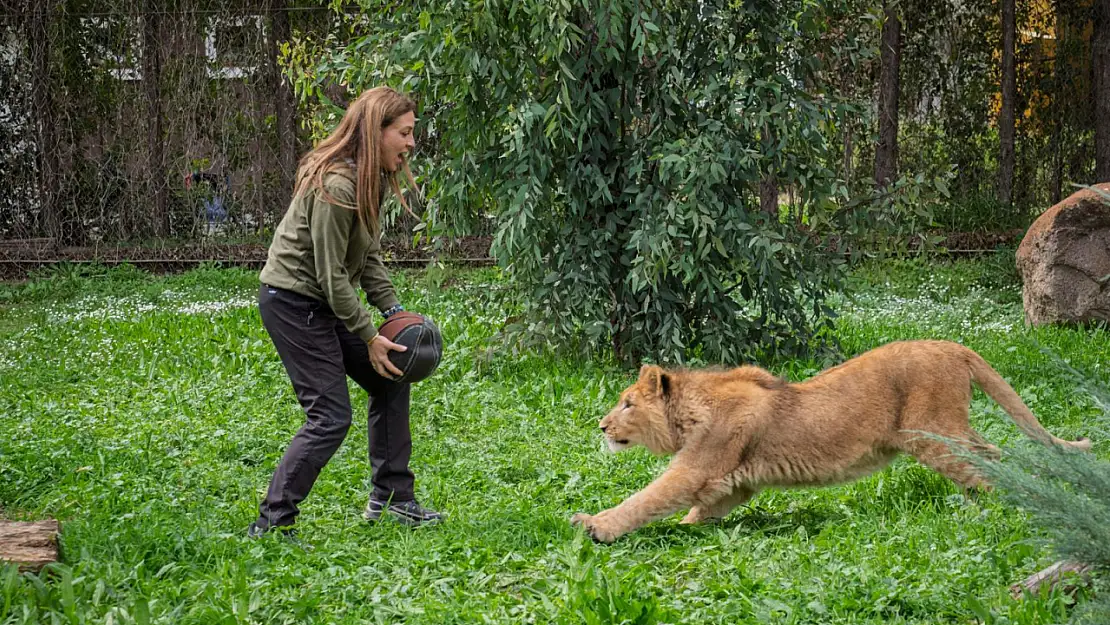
669,493
718,509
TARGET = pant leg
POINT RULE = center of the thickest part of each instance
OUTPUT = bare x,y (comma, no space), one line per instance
388,431
304,332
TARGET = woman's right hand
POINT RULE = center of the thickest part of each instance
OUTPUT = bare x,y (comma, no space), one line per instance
380,347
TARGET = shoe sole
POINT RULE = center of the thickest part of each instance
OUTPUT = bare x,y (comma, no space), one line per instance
374,517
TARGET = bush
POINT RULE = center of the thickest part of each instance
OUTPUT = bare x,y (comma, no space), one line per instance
623,145
1067,496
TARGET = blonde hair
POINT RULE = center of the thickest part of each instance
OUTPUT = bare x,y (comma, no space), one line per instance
358,137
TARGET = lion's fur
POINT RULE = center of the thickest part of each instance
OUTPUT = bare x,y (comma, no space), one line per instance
735,432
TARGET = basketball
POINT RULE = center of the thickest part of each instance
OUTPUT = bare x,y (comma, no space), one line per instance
423,340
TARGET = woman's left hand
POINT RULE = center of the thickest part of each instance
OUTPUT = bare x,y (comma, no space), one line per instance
380,347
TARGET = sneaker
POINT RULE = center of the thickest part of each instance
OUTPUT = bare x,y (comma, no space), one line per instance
286,533
407,512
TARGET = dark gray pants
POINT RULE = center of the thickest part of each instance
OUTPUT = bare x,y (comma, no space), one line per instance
319,353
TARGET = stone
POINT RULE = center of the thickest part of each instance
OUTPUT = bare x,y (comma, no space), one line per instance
1064,261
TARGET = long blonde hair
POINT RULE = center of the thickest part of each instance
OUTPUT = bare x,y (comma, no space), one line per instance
358,137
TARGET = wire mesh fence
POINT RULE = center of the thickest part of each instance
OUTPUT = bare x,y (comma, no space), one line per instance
125,120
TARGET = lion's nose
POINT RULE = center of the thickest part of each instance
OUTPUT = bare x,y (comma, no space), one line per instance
604,427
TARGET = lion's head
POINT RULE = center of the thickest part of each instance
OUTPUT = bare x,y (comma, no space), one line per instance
640,417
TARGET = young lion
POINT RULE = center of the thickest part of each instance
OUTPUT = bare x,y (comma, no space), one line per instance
738,431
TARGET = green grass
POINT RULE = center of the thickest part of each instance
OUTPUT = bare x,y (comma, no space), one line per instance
148,414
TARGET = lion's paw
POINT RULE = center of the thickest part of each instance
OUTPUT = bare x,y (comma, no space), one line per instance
595,526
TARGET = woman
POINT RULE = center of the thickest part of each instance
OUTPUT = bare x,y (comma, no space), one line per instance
327,243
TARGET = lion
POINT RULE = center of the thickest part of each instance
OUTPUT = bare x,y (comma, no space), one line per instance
735,432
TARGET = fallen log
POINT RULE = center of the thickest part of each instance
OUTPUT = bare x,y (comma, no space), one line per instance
30,544
1064,570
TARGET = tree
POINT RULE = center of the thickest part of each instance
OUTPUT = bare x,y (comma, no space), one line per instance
623,146
39,17
152,78
1006,113
1100,64
768,188
284,104
886,154
1066,495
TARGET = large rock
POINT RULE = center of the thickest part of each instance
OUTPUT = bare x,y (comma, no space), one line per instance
1064,261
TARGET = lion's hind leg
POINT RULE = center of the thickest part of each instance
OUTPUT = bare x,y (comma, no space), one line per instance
945,456
935,431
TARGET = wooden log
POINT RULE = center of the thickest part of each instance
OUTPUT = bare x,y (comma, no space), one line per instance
41,243
31,545
1051,576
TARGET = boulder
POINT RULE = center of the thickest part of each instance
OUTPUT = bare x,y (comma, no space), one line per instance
1064,261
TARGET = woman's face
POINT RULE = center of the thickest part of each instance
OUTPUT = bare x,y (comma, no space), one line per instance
397,141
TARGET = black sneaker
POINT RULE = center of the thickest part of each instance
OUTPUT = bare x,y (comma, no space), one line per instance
407,512
287,533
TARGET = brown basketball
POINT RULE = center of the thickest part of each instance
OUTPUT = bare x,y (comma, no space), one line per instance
423,340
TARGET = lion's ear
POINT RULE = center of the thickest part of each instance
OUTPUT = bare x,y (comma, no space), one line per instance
654,380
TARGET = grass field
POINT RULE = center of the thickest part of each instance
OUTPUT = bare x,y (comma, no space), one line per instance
147,414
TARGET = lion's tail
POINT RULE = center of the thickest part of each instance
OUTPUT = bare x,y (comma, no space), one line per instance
1000,391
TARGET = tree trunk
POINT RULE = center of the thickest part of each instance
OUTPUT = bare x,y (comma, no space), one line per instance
285,105
1100,64
847,88
886,153
768,187
769,195
847,166
1056,147
37,28
1059,103
152,80
1006,113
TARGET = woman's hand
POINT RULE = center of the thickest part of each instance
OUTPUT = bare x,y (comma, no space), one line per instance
380,347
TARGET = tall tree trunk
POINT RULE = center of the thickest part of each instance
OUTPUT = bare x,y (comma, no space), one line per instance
285,105
1100,64
847,87
1006,113
768,186
37,26
769,195
1056,143
847,166
152,80
1058,102
886,153
261,155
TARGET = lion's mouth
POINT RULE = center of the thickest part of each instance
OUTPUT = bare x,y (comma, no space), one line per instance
616,444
